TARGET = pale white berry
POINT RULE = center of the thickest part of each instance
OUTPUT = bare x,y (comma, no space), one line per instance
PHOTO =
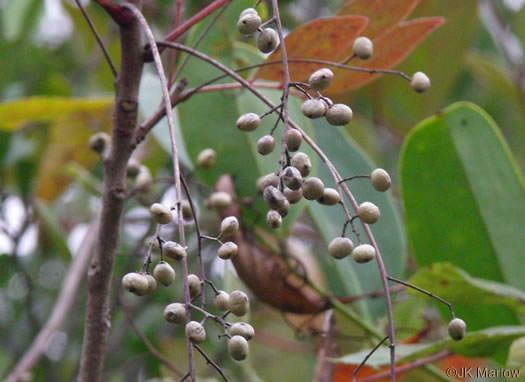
292,178
368,212
239,303
457,329
313,188
380,180
363,48
293,140
264,181
339,115
249,23
313,108
302,162
222,301
187,212
340,247
164,273
174,250
143,180
267,40
100,143
238,348
420,82
206,158
219,200
135,283
274,198
330,197
175,313
152,283
160,213
321,79
293,196
242,329
229,226
274,219
195,332
133,167
363,253
194,284
228,250
248,122
265,144
248,11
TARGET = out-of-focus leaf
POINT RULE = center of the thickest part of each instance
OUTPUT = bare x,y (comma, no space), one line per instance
383,15
45,109
52,227
323,39
346,277
465,202
389,50
343,372
484,343
458,287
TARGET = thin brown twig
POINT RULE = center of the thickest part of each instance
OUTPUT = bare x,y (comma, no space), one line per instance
173,55
210,362
98,38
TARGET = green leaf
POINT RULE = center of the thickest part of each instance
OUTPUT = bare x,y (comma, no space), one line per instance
52,227
465,202
458,287
345,276
484,343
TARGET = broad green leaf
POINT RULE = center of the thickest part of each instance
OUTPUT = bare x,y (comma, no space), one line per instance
345,276
323,39
464,202
484,343
45,109
389,49
383,15
458,287
51,226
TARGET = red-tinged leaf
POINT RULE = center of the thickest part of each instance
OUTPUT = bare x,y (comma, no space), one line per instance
343,373
324,39
389,50
383,14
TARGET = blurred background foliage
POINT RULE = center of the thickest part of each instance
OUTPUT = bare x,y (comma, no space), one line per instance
50,182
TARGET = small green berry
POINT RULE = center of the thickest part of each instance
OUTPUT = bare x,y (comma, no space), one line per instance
457,329
152,283
239,303
516,358
292,178
380,180
135,283
274,219
228,250
238,348
363,253
340,247
249,23
164,273
187,212
363,48
267,40
330,197
265,144
313,108
368,212
174,250
195,286
219,200
143,180
242,329
229,226
248,122
293,196
195,332
420,82
206,158
175,313
160,213
293,140
313,188
321,79
301,161
339,115
132,168
222,301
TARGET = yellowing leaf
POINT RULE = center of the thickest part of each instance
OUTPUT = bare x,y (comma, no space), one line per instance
15,113
323,39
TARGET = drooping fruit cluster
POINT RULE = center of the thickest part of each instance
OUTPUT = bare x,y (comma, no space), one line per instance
250,22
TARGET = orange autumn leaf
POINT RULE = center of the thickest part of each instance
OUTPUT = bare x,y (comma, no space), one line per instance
323,39
383,14
389,50
343,373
